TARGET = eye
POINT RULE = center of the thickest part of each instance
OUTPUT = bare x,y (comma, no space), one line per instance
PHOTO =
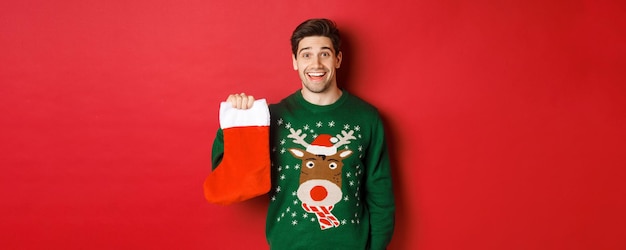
332,165
310,164
325,54
306,55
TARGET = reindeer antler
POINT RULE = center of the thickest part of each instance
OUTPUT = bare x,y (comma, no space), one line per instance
345,139
298,139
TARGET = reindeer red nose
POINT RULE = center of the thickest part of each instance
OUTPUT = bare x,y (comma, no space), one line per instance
318,193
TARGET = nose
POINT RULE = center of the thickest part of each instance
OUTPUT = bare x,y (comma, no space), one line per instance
316,62
318,193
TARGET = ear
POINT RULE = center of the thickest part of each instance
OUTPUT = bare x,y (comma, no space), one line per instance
339,56
295,62
345,153
296,152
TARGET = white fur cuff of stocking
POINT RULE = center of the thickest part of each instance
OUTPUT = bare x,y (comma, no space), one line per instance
258,115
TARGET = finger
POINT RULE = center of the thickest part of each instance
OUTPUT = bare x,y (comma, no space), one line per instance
239,102
249,101
233,100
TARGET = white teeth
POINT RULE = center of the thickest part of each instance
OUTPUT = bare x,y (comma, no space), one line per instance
316,74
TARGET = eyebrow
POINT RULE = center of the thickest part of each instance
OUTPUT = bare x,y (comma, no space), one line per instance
323,48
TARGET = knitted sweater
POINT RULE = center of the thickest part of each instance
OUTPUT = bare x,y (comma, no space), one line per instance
331,180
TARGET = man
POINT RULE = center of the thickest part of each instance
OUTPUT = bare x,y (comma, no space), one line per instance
331,182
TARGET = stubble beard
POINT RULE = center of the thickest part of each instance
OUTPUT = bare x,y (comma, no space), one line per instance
323,87
317,88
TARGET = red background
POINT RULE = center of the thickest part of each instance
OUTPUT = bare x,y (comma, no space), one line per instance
506,119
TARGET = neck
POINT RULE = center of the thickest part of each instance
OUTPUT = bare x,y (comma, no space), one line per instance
325,98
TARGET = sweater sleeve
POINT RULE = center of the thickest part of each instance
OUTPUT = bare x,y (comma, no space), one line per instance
379,190
217,153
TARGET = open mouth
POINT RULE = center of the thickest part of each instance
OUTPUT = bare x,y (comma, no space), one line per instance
316,75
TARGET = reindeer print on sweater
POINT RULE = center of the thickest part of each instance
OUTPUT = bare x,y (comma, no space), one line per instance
331,179
314,182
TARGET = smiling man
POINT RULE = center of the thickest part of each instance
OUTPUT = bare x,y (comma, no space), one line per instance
331,182
317,61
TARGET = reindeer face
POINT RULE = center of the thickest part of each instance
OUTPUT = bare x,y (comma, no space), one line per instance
320,173
321,166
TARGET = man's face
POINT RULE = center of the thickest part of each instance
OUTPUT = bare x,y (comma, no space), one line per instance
317,63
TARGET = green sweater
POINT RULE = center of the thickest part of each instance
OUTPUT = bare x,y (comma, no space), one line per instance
331,180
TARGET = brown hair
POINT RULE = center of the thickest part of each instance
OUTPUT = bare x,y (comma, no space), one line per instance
316,27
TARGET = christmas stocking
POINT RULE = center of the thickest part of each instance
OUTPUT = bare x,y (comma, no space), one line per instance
244,171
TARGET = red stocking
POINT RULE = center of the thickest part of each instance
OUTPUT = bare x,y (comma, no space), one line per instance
244,171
